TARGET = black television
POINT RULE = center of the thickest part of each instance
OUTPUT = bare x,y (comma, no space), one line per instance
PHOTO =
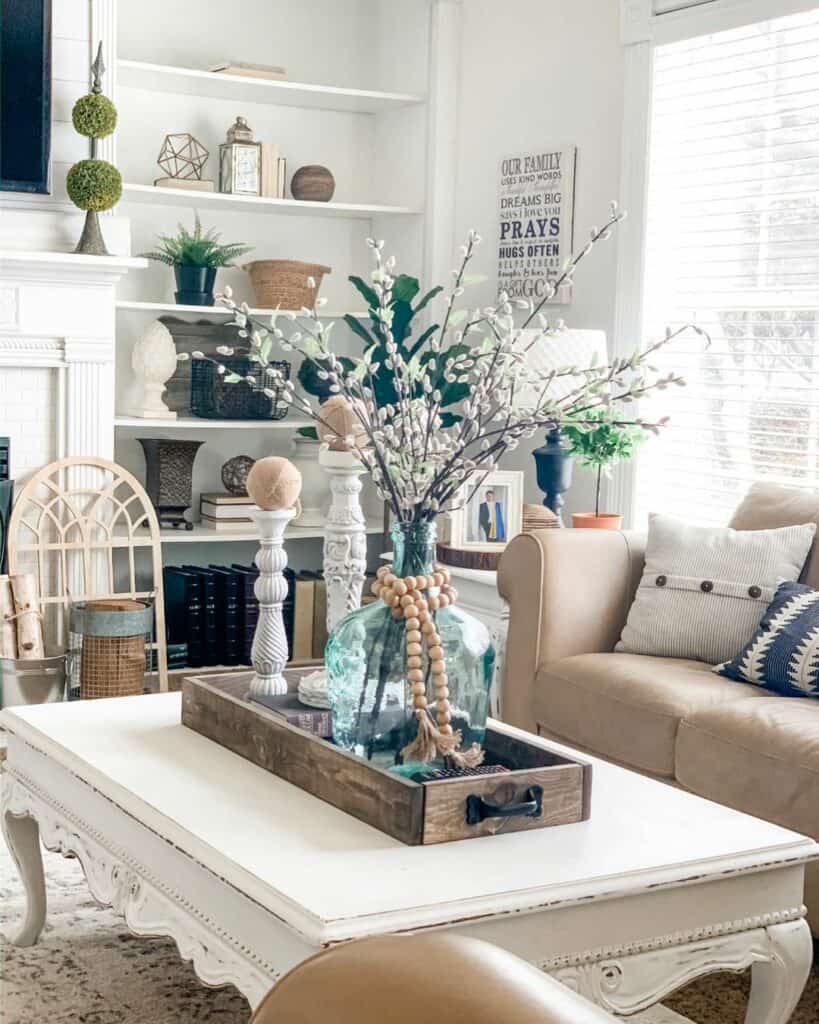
25,95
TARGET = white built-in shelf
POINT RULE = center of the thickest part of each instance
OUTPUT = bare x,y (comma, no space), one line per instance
203,534
192,82
197,423
133,306
258,204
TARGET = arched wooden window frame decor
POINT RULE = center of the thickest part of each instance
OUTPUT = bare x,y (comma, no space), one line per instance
67,522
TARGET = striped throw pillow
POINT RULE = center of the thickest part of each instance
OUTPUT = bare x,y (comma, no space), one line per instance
783,654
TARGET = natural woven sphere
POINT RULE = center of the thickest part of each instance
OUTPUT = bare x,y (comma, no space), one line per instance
94,115
94,185
341,421
274,483
235,472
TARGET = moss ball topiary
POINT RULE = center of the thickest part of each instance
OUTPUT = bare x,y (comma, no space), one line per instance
94,185
94,115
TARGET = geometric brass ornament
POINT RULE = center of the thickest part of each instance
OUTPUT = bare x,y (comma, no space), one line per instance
182,156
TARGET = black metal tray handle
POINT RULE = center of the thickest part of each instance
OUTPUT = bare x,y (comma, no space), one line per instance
478,810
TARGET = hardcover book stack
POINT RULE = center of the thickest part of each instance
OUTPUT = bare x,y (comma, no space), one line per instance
225,512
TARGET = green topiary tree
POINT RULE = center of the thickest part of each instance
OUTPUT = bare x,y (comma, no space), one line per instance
94,185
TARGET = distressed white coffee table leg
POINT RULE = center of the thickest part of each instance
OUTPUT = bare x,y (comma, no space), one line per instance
23,839
777,984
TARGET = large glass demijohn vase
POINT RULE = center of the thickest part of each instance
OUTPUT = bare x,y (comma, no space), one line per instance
369,695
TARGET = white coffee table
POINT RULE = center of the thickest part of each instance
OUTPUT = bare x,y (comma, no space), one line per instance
250,875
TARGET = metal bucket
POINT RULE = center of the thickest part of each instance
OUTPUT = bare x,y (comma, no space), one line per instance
39,681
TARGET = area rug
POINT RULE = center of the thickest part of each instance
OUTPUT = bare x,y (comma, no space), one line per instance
88,969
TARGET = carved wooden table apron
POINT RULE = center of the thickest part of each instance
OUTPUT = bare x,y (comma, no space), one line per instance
250,875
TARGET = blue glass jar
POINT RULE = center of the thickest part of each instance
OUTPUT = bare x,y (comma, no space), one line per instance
369,695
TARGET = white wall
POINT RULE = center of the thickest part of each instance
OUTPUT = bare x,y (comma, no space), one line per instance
543,73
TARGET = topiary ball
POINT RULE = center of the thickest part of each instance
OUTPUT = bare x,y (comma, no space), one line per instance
94,115
94,185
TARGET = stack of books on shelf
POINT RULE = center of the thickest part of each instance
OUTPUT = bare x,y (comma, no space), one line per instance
211,614
225,512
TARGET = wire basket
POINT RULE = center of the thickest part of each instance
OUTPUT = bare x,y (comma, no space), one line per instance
213,398
109,642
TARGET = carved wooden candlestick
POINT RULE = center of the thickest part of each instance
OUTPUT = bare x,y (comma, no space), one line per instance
275,485
345,536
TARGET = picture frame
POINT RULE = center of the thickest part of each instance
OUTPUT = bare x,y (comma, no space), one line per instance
488,516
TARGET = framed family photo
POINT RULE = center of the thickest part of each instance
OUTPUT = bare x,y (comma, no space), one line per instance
491,515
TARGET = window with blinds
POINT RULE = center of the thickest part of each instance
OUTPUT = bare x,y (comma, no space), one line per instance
733,245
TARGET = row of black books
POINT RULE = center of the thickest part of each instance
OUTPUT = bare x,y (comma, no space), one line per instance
211,614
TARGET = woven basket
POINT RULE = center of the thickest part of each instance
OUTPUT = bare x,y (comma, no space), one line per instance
283,283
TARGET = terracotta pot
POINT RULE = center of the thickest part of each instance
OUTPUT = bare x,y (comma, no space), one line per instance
589,521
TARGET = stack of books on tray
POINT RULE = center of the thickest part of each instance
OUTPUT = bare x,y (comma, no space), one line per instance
226,512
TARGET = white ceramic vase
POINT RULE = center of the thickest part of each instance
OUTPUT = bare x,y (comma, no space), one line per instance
315,491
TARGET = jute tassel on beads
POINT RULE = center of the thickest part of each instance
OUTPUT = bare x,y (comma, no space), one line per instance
405,598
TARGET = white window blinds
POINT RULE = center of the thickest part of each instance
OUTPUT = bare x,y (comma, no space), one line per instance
733,244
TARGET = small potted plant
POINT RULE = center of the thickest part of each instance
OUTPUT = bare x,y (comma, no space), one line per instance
195,258
599,442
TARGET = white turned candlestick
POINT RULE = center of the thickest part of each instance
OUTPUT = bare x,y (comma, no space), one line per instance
345,536
269,652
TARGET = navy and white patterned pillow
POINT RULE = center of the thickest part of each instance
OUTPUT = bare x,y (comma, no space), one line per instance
783,655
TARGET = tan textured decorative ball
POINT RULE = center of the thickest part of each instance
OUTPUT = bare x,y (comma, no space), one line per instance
274,483
341,421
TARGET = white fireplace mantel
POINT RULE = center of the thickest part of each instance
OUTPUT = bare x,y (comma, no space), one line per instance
57,350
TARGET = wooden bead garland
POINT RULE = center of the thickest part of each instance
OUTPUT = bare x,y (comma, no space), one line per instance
406,600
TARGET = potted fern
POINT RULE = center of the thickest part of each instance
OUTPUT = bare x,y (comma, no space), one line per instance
600,441
195,258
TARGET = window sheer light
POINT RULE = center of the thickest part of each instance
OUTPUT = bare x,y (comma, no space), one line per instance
732,244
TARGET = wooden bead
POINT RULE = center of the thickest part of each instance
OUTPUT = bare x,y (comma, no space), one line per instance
428,626
400,587
437,668
382,571
422,603
419,701
432,637
441,692
405,599
446,730
389,579
418,689
376,588
436,652
445,573
421,583
434,602
423,616
414,661
441,680
413,624
443,717
410,612
414,636
442,705
437,579
410,582
415,675
414,649
443,600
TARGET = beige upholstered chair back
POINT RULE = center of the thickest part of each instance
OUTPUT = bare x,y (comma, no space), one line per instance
412,978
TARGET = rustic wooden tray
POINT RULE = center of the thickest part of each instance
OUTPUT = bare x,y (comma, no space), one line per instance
543,788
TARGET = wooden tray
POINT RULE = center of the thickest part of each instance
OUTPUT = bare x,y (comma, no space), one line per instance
543,789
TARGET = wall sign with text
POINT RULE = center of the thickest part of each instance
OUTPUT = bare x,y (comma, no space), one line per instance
536,213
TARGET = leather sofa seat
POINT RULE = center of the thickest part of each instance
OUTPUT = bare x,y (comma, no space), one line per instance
628,707
760,757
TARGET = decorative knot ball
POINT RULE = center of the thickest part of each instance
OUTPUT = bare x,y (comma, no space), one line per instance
235,472
274,483
341,428
94,115
94,185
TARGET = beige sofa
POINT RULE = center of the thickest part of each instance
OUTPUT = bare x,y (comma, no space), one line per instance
569,593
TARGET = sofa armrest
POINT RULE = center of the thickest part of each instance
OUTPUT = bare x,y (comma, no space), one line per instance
569,592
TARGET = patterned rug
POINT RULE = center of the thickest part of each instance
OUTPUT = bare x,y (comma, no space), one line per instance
88,969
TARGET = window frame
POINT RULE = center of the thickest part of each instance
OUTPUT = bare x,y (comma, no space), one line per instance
645,24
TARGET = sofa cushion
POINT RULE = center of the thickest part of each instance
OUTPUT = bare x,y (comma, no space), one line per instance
704,589
782,654
759,756
628,707
769,506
